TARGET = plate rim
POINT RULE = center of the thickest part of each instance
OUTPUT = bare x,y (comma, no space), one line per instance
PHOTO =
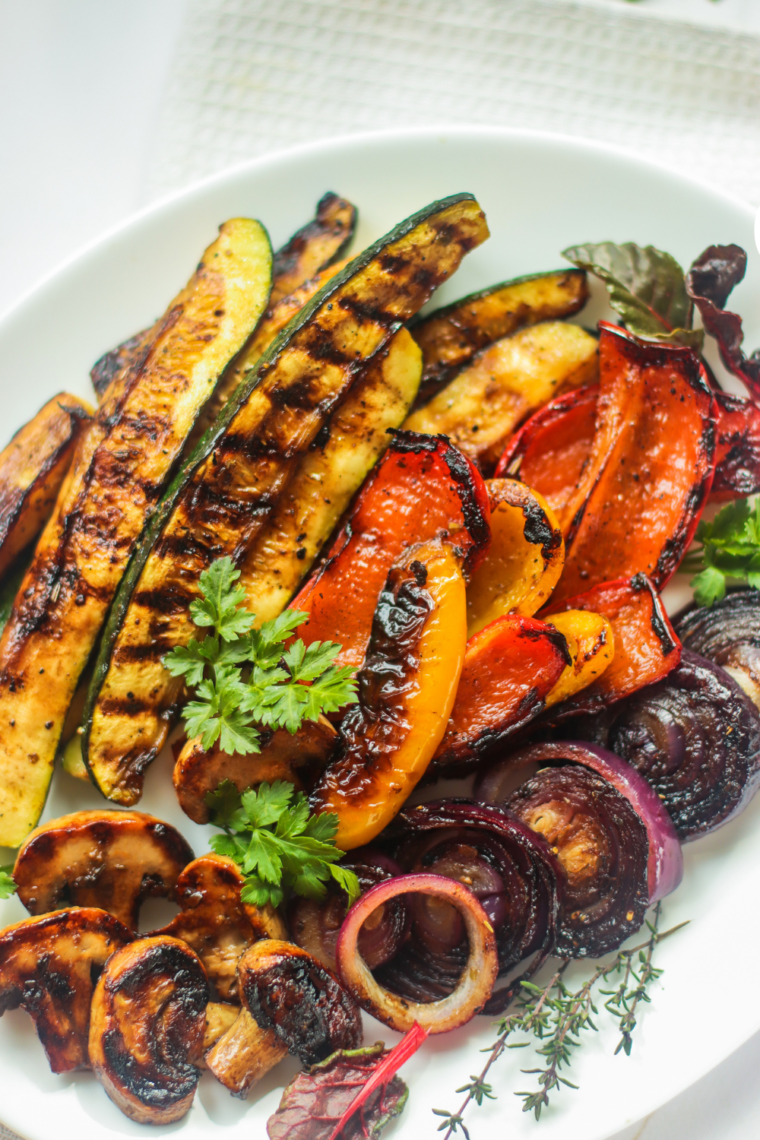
341,143
199,187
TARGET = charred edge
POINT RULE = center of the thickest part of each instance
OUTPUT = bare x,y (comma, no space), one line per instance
538,532
558,640
474,519
658,620
673,550
492,738
326,221
139,1080
413,442
125,355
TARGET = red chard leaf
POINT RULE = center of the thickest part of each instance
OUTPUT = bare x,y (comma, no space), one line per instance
709,283
645,286
350,1096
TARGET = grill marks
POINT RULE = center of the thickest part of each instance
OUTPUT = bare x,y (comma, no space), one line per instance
265,431
122,463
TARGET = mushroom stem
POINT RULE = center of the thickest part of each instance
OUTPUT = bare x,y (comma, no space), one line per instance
244,1054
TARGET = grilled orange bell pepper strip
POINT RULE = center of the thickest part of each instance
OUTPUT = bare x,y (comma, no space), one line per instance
510,667
524,561
423,488
641,493
646,645
550,449
406,692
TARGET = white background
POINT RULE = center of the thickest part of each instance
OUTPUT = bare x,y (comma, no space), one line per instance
81,85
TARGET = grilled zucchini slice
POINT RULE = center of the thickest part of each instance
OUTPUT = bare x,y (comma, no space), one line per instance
32,469
227,491
113,486
316,245
481,407
119,360
328,477
273,322
451,336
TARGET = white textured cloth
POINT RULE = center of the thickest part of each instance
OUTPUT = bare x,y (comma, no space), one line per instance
254,76
251,77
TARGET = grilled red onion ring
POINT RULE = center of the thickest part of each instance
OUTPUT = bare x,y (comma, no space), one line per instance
665,862
315,923
474,987
508,868
616,847
695,737
727,633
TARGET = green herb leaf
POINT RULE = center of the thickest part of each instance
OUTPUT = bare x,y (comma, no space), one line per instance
730,550
221,600
7,885
223,804
278,845
244,677
347,880
646,288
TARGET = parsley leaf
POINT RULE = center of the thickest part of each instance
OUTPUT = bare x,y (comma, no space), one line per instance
221,600
730,549
7,885
280,848
245,679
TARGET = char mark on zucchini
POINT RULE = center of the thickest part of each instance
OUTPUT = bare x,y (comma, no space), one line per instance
121,464
323,352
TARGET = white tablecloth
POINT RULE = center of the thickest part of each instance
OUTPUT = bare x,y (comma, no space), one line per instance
107,105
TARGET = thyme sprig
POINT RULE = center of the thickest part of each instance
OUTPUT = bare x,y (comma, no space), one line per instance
557,1017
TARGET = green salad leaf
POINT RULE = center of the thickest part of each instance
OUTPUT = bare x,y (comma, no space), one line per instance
646,289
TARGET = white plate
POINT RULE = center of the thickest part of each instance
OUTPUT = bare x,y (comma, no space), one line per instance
541,194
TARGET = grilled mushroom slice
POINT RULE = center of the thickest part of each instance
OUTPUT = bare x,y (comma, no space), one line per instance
297,758
244,1054
148,1019
216,923
48,967
108,859
287,990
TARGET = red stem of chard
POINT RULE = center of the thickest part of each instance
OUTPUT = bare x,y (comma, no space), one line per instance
383,1074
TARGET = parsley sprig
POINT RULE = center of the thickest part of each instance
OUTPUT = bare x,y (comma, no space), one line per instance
7,885
279,846
244,678
730,549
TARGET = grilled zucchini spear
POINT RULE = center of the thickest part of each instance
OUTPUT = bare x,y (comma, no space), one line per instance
228,490
32,469
451,336
118,474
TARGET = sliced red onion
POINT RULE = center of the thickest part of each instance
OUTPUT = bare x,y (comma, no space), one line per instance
515,876
474,986
665,863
